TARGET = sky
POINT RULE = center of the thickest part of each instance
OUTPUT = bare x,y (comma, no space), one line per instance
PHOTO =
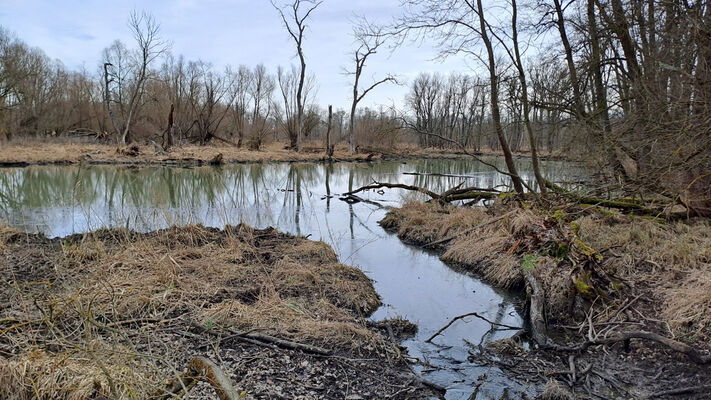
224,32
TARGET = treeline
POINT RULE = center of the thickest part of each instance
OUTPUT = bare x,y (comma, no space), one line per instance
144,92
627,82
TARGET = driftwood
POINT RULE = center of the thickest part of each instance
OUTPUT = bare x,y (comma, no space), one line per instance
199,368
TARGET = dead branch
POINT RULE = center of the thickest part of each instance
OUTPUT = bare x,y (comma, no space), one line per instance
199,368
378,185
539,333
287,344
684,390
471,314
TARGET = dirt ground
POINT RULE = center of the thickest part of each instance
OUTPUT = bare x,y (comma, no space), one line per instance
603,274
118,314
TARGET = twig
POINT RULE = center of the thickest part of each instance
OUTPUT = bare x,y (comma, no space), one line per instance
474,314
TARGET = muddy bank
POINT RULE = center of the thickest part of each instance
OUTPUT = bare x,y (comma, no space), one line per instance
602,275
23,154
115,313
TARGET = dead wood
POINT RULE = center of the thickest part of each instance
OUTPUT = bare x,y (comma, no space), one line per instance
217,160
684,390
540,335
287,344
536,310
199,368
378,185
471,314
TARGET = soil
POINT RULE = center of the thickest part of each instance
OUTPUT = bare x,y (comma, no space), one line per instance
117,314
603,273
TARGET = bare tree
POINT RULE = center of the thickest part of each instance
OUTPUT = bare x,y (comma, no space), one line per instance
288,87
296,25
368,44
242,81
146,32
261,91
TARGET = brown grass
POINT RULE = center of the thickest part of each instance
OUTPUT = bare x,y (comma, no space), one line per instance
667,263
102,313
68,152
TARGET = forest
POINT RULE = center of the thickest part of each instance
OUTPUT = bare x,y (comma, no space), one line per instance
623,83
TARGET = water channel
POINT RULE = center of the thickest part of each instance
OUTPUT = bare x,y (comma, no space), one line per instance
301,199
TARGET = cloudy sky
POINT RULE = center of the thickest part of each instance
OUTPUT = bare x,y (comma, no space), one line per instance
225,32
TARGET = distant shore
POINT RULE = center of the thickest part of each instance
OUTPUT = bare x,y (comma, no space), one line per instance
20,154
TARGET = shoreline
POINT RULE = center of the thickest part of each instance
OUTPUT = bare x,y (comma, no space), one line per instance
632,275
17,155
278,314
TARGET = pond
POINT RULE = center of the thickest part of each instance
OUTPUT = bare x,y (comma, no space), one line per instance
301,199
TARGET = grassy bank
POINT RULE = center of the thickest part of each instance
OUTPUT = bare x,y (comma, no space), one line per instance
38,152
602,274
117,314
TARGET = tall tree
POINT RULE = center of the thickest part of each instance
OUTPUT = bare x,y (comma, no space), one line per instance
296,25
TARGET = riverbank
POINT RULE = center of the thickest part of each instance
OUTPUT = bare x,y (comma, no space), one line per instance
115,313
602,275
31,152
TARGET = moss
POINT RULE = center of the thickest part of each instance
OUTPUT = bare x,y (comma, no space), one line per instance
583,287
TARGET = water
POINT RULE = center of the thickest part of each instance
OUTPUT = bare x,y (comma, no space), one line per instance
296,198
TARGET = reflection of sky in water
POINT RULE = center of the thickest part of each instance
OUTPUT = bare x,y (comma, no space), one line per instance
294,198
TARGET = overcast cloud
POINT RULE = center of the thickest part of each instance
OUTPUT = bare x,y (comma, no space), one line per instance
224,33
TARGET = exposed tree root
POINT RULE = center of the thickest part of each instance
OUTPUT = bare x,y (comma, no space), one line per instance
540,335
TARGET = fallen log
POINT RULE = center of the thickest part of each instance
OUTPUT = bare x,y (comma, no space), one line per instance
378,185
624,204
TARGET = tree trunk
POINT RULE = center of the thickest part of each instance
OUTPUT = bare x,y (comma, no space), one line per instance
495,112
524,100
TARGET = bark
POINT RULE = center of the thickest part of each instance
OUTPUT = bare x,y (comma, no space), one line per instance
329,146
560,23
495,111
524,100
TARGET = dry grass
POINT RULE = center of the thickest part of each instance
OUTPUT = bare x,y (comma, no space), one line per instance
67,152
669,263
101,314
555,391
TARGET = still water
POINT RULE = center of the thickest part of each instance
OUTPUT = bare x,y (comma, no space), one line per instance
301,199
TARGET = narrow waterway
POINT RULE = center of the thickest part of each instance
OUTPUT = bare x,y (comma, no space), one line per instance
301,199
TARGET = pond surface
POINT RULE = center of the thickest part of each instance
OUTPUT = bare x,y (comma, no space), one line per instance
296,198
